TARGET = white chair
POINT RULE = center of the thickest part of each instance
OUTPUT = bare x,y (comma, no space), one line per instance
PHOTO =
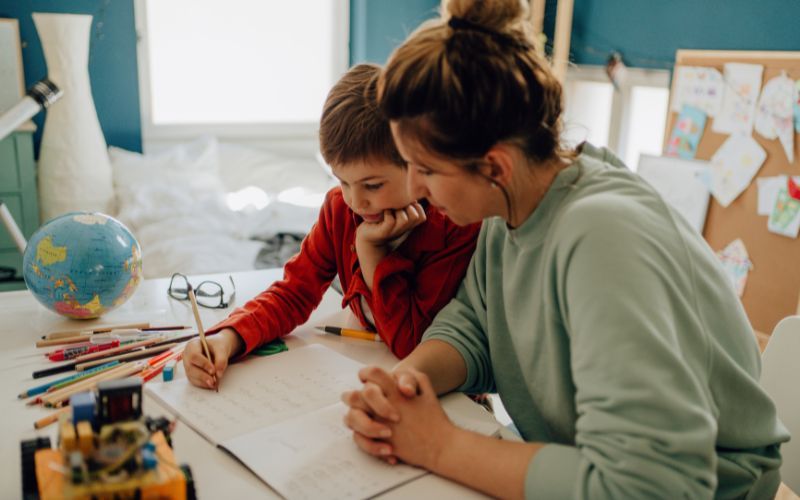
779,377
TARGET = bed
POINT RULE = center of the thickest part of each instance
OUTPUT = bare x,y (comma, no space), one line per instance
206,206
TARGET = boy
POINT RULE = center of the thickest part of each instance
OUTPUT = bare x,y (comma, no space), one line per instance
399,261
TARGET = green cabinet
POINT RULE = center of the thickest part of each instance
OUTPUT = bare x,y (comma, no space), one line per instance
18,192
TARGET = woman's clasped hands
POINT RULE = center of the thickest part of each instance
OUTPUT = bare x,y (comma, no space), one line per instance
397,416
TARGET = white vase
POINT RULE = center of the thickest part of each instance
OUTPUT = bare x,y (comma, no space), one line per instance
74,168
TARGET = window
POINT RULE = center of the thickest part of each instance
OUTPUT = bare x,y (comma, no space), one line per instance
240,68
629,120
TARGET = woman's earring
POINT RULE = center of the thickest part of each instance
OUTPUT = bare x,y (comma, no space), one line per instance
494,184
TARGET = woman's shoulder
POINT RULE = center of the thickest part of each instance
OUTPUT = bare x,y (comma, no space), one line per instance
621,205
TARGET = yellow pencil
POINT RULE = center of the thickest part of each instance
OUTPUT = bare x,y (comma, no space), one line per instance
349,332
201,331
53,417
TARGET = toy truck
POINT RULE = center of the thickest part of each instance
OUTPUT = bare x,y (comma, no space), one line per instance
107,449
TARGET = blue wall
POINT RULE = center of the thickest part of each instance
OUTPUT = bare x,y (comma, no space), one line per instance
378,26
112,61
646,32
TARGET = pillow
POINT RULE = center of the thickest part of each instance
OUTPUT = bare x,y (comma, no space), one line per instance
193,166
245,166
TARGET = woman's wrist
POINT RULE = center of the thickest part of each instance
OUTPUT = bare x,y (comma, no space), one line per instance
445,441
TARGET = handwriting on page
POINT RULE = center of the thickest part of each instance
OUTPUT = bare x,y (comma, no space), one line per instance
258,393
314,456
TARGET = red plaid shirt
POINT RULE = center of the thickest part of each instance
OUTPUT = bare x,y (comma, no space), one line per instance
411,284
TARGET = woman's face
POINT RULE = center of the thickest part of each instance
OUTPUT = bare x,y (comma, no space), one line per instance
465,198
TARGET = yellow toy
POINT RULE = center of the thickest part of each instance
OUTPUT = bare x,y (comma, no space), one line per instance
106,450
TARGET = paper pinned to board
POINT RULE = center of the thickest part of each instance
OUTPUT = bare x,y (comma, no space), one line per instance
741,90
785,216
768,188
682,184
686,133
736,263
797,106
699,87
775,112
733,167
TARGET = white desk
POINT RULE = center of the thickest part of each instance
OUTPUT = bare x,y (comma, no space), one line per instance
217,475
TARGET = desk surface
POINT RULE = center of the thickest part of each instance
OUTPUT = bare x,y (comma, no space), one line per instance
23,321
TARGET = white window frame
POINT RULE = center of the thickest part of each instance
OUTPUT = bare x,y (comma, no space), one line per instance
285,137
621,98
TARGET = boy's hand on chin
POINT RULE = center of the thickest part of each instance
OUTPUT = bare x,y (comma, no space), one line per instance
394,224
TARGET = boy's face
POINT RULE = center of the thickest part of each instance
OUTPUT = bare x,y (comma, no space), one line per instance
370,187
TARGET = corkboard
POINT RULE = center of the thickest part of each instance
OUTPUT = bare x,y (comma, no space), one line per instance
773,285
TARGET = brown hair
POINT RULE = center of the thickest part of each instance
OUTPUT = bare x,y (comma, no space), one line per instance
463,83
352,128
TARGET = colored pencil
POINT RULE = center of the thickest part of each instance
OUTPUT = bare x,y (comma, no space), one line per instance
128,356
39,389
96,329
58,398
83,375
52,418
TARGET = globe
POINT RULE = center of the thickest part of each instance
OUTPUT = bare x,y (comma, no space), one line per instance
82,264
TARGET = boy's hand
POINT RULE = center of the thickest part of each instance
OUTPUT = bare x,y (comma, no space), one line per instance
394,224
222,346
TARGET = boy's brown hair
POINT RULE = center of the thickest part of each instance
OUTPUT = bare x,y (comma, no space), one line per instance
352,127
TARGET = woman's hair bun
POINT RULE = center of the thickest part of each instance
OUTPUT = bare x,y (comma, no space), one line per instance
495,15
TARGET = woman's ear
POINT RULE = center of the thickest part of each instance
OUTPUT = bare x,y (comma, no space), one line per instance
499,164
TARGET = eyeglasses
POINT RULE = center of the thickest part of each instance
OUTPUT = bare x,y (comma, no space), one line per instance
209,294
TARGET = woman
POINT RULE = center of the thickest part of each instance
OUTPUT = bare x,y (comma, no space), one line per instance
597,313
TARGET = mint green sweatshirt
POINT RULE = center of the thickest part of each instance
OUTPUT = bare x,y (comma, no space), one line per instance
611,333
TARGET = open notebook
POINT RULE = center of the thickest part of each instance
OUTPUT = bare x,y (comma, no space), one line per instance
281,417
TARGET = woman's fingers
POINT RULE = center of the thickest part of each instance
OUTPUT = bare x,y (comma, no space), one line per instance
407,383
361,423
425,387
375,448
378,403
377,376
371,401
353,400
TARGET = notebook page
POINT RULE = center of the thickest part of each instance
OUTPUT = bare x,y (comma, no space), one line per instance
314,456
260,391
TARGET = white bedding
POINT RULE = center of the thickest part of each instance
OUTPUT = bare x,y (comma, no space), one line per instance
178,203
